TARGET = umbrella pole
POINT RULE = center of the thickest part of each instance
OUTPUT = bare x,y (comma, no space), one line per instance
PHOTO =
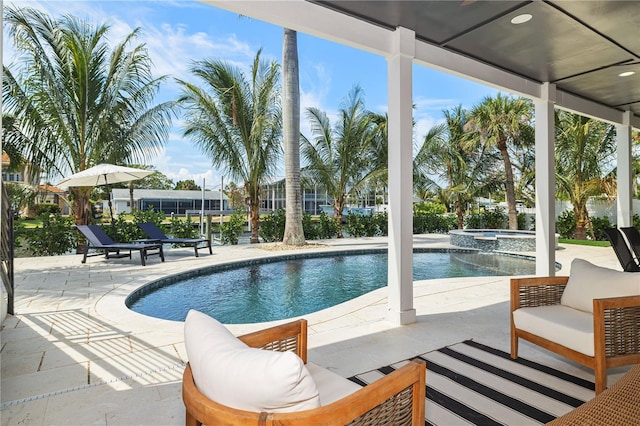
113,224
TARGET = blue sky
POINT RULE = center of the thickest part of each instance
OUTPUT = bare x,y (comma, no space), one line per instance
178,32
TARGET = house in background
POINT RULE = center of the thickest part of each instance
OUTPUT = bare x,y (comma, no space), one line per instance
42,193
316,199
14,174
168,201
53,195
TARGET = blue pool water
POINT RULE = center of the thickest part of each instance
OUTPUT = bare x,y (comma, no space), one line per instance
282,289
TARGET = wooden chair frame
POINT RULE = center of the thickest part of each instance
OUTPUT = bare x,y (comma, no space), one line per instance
397,398
616,325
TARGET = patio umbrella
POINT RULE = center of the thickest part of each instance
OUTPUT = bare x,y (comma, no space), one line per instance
104,174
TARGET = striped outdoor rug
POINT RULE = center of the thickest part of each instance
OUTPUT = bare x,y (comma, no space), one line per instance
470,383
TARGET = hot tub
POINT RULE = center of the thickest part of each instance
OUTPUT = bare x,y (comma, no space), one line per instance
495,239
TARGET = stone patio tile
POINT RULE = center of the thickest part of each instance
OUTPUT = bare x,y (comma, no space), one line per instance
26,413
43,382
16,366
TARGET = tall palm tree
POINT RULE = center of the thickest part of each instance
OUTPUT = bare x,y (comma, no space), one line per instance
584,147
446,156
77,102
498,122
235,120
293,232
337,158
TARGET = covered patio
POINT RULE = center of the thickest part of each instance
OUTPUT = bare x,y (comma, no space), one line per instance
74,354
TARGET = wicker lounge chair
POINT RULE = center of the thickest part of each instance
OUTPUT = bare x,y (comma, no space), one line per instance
396,399
622,251
553,313
156,233
97,239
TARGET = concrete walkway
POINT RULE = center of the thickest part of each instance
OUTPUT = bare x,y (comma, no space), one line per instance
74,354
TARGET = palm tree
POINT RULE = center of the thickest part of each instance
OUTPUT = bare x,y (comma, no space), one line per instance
76,102
446,156
337,158
293,232
583,149
497,123
235,120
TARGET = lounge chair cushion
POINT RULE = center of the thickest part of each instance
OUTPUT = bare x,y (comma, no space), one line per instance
567,326
588,281
229,372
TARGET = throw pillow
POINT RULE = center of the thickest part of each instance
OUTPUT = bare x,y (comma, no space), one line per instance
229,372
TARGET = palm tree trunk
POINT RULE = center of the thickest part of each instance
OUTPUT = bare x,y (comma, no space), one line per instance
510,187
81,210
255,220
293,232
582,218
131,196
460,214
337,214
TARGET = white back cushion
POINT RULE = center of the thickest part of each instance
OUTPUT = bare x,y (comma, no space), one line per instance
588,281
229,372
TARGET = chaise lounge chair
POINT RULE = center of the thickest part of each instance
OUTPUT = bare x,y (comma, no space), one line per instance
156,233
97,239
633,237
622,251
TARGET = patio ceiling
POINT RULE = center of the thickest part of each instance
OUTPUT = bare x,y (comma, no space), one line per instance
581,47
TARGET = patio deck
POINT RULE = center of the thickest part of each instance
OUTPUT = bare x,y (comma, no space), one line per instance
74,354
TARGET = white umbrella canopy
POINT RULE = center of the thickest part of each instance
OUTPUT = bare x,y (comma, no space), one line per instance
103,174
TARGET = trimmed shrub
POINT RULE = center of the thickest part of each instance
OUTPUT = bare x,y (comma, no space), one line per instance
490,219
599,224
56,236
566,224
428,223
382,223
45,208
311,230
328,227
272,226
361,226
230,231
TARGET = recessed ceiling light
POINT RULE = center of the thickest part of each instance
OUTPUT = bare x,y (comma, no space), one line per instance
521,19
626,73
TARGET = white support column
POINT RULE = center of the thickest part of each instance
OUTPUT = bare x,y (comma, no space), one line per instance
545,181
623,140
400,309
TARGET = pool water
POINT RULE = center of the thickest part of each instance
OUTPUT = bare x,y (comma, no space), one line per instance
289,288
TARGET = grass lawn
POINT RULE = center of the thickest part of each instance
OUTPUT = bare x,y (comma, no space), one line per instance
585,242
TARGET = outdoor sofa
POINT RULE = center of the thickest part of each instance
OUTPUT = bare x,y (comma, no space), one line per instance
591,317
263,378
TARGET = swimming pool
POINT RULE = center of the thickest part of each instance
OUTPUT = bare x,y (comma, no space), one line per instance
267,289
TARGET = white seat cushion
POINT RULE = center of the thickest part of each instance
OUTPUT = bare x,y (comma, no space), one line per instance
560,324
588,281
331,386
229,372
